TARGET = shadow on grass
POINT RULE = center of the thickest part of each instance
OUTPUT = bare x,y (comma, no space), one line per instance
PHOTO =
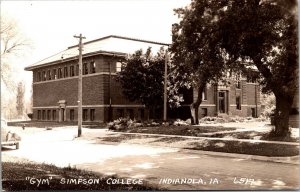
254,135
187,130
262,149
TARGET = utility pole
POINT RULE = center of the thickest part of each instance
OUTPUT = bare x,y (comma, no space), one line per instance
80,84
165,86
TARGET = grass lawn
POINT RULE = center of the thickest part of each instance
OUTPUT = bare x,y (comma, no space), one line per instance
262,149
254,135
179,130
18,176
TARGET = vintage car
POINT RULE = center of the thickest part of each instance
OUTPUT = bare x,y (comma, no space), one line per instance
8,137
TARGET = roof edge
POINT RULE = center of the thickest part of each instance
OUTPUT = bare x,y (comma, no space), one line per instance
118,54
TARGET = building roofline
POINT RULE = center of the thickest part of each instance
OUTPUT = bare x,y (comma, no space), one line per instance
122,37
117,54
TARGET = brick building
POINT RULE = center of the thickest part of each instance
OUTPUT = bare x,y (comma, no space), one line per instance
55,86
55,82
240,98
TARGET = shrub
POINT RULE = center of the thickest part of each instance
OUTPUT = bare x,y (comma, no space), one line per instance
180,122
122,124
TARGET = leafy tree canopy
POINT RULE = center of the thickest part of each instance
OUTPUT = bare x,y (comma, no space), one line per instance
257,37
142,79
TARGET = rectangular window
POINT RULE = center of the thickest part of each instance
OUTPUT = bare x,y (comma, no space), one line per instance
129,113
238,102
204,112
72,114
39,115
72,72
60,73
49,115
49,74
44,115
238,84
66,72
118,66
92,114
54,114
120,113
93,67
44,75
85,69
54,74
39,76
142,113
85,115
204,94
77,70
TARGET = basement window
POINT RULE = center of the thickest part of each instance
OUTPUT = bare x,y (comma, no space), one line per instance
92,114
72,114
48,114
85,115
39,115
54,114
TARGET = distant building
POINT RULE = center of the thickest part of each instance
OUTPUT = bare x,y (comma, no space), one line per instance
55,86
240,98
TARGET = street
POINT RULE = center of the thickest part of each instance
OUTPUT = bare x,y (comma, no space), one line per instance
164,167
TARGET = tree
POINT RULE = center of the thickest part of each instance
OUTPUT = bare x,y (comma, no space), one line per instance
13,45
20,99
195,48
257,37
142,80
263,34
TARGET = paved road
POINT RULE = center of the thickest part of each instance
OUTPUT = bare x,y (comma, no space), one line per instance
157,165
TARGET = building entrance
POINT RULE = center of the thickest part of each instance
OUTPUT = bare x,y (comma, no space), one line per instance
62,111
222,103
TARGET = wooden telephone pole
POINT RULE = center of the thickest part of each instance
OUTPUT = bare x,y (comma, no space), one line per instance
80,84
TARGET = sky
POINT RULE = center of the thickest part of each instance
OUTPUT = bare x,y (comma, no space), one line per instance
51,25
